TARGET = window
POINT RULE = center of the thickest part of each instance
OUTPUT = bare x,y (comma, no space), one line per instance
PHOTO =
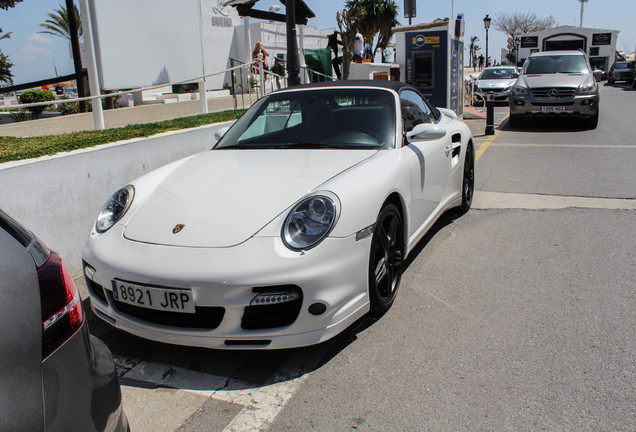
415,110
551,64
341,118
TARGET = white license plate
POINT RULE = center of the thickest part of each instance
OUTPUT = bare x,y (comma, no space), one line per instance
552,109
165,299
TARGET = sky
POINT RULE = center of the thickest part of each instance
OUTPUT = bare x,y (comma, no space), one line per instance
38,56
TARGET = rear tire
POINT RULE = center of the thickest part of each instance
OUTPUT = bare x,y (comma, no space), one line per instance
468,180
514,121
386,259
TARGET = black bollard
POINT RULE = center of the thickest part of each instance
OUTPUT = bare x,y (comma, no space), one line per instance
490,114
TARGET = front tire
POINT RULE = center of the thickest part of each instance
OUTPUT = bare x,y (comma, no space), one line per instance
514,121
468,181
386,259
592,122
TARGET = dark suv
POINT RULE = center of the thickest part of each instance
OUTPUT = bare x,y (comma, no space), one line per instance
621,71
555,83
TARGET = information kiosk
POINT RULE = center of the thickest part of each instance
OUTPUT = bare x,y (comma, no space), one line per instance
431,58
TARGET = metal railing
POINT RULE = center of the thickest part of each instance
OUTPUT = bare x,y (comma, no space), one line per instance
250,81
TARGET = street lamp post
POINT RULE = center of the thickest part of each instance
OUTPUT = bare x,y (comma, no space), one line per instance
582,3
487,26
490,104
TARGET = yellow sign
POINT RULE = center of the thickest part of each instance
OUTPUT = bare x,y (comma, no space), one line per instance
428,40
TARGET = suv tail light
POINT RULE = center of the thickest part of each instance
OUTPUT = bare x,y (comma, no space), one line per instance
62,313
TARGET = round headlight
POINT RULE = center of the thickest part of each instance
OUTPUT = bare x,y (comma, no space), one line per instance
115,208
309,222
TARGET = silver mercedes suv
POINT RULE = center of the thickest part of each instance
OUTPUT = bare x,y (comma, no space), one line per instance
555,83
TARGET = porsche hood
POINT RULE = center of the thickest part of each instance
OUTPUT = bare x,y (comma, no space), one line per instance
221,198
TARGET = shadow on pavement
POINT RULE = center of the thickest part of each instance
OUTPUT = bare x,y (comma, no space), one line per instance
548,125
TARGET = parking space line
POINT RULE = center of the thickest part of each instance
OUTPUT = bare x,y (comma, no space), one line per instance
259,404
484,146
504,200
594,146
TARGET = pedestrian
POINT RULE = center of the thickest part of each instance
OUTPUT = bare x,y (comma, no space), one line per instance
358,48
481,62
368,50
474,62
333,42
258,49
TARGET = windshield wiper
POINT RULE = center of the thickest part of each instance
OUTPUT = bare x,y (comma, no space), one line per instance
295,145
308,145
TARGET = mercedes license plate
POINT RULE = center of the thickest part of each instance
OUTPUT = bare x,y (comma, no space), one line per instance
164,299
549,109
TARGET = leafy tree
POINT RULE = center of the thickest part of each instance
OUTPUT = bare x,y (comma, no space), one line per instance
6,4
376,17
519,23
348,20
36,95
5,70
58,23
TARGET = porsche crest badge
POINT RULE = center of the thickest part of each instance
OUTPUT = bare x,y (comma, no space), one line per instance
177,228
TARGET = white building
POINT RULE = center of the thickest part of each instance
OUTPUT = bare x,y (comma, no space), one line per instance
598,44
273,35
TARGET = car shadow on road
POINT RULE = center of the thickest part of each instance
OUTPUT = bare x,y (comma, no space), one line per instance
548,125
628,87
147,364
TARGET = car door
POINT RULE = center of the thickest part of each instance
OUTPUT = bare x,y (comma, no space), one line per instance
428,158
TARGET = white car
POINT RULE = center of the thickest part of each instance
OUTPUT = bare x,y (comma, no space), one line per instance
294,225
498,80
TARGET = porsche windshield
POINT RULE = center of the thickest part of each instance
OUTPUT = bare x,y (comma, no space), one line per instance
558,63
346,118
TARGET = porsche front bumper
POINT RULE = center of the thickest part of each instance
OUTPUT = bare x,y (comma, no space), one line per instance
223,280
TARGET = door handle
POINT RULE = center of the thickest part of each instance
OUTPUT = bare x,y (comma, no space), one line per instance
447,149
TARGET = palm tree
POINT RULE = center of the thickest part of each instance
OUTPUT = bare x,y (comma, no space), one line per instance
58,23
377,17
473,48
5,65
5,70
6,4
4,35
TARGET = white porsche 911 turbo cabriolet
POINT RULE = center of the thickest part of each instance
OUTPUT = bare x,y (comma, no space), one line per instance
292,227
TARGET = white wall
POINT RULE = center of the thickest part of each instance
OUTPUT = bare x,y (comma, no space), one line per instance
149,42
58,197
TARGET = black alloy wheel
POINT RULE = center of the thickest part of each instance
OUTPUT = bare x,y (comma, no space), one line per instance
468,182
386,259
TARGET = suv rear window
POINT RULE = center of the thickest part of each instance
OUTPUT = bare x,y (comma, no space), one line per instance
557,63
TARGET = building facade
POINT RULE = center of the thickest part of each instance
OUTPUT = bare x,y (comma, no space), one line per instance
598,44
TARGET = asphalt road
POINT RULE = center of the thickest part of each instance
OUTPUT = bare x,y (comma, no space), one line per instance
519,315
